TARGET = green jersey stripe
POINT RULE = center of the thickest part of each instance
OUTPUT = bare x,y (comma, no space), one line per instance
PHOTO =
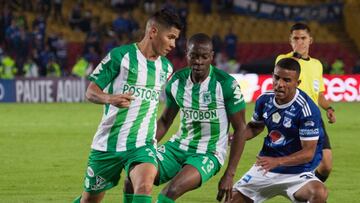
196,125
122,115
144,107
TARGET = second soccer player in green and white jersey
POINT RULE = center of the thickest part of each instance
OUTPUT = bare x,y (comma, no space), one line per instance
208,100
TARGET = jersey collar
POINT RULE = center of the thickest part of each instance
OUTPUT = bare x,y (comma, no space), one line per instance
283,106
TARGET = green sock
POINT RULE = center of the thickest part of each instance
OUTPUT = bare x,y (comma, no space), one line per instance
77,200
164,199
141,198
127,198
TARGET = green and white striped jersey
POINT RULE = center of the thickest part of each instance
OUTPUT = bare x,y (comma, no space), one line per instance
204,109
125,69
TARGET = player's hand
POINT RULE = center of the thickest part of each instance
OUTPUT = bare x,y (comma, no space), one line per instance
121,100
267,163
225,188
331,116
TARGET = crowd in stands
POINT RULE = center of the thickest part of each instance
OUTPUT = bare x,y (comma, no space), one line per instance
28,49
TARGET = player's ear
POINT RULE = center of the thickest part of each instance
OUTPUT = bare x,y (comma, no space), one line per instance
298,83
153,31
311,40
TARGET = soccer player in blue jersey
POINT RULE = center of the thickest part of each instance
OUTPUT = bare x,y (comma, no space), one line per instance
292,148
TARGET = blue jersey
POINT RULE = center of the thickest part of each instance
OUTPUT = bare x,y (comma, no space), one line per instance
289,124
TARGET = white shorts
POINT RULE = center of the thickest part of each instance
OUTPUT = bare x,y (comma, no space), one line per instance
259,187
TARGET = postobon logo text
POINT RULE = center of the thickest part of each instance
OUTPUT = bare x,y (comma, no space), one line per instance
198,115
142,93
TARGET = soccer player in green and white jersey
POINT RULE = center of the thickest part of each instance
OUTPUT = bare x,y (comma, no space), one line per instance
128,82
208,100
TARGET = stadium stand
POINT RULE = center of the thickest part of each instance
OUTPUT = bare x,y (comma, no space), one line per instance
259,39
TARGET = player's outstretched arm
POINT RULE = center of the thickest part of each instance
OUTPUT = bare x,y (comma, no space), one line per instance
237,146
305,155
97,96
253,129
165,121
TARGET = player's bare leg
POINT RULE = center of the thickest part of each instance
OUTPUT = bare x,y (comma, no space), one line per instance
325,167
142,177
187,179
91,198
313,192
238,197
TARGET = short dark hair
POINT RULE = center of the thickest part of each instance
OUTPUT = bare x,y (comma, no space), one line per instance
200,38
167,18
289,64
300,26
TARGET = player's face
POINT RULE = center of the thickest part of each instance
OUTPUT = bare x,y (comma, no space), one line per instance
164,40
300,41
284,84
199,57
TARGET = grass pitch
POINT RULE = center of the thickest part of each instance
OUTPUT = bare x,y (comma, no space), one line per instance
44,149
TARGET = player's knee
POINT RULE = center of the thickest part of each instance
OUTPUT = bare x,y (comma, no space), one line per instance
172,191
143,188
319,193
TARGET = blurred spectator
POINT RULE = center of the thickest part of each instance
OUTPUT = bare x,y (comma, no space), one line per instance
42,60
93,39
61,53
76,17
58,16
149,6
122,24
82,68
206,6
7,67
92,56
45,7
356,68
53,68
85,23
217,42
40,23
183,12
22,47
21,21
180,47
337,67
31,69
230,44
170,5
26,5
12,33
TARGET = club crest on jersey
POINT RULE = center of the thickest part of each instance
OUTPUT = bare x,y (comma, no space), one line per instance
287,122
276,138
206,97
162,77
276,117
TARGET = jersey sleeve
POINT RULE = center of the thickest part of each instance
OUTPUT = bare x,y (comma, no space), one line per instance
258,112
170,100
106,70
233,98
321,80
310,127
